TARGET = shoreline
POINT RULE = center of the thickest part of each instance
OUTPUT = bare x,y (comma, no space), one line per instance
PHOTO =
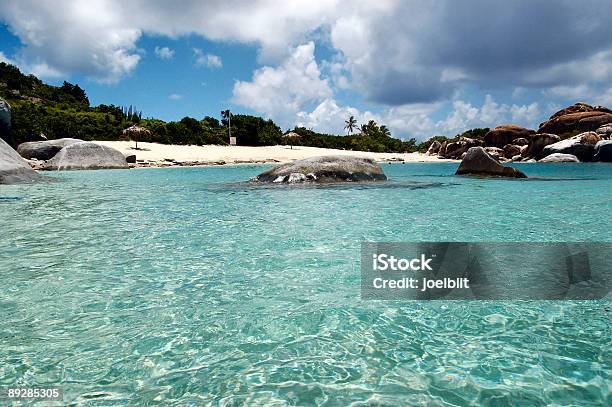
154,155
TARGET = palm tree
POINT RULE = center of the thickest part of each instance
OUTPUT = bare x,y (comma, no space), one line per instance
351,124
385,131
225,114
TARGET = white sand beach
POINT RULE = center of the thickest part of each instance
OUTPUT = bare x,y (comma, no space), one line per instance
153,152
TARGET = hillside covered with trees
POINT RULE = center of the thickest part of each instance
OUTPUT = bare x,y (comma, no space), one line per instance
39,109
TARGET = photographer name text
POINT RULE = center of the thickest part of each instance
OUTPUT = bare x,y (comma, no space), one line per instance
383,262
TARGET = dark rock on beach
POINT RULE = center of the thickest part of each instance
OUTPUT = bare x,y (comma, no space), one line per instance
86,156
537,144
5,113
434,148
578,117
511,150
521,141
44,150
495,152
5,121
505,134
478,162
442,149
324,170
589,137
603,151
13,168
457,148
605,131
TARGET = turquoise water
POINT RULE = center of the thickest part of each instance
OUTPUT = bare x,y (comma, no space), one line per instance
188,287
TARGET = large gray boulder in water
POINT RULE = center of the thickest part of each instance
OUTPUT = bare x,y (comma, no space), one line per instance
13,168
478,162
324,169
44,150
86,156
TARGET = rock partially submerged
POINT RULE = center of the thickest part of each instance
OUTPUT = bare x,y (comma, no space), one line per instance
582,146
13,168
603,151
560,158
478,162
86,156
44,150
324,170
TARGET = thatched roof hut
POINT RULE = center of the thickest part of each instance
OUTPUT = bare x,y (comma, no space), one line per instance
137,133
292,136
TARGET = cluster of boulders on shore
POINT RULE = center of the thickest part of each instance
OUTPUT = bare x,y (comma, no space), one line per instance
592,142
71,154
62,154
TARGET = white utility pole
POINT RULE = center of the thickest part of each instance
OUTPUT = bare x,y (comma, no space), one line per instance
232,140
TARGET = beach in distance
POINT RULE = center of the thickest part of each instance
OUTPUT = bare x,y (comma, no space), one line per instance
154,154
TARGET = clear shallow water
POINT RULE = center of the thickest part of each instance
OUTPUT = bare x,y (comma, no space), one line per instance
188,287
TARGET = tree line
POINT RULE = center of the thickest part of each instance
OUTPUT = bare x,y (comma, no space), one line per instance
39,109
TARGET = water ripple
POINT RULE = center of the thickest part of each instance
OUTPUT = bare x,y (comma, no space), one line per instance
190,287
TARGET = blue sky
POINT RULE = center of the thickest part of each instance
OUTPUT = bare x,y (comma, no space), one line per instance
420,68
168,88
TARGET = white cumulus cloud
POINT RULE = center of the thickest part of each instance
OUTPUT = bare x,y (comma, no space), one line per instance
282,92
207,60
164,52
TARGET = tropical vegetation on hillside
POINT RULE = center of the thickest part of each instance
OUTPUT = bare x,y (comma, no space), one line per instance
65,111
